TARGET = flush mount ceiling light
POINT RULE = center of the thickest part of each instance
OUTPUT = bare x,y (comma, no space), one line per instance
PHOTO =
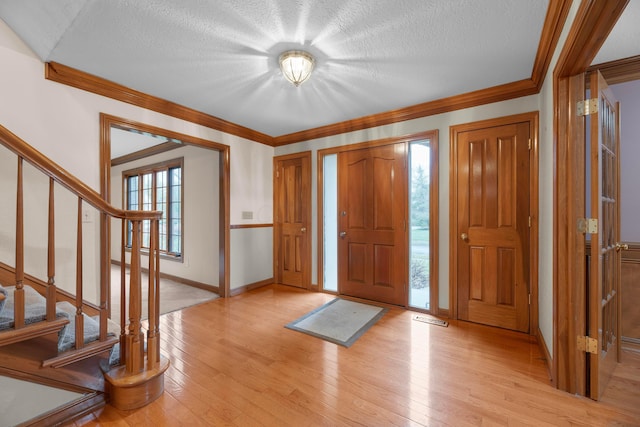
296,65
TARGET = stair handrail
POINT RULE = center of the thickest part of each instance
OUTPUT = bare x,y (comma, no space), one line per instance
67,180
132,358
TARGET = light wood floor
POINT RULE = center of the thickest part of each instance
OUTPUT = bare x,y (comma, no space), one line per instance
233,363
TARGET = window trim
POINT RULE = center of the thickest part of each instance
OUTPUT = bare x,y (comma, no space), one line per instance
153,168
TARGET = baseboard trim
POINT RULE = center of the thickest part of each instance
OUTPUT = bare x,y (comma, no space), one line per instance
250,286
181,280
545,354
73,411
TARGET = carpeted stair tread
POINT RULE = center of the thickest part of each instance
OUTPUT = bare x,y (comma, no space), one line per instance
35,307
67,337
36,311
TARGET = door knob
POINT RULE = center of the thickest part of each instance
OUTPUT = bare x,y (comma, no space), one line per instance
621,246
343,234
465,237
303,229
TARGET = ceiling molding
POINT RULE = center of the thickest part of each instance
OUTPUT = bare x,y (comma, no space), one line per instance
620,71
444,105
591,27
554,22
70,76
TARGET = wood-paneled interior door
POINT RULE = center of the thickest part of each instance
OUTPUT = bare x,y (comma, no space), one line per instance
604,268
372,220
292,220
493,213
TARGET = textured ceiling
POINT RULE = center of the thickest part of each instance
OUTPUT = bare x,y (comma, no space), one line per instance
220,57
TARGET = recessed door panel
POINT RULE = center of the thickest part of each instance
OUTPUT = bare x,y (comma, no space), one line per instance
372,243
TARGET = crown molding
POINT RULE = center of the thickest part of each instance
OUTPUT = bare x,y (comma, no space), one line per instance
72,77
444,105
554,22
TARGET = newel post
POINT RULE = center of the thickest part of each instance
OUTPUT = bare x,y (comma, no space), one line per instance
135,339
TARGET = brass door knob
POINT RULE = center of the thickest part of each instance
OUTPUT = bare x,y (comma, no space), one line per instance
465,237
303,229
621,246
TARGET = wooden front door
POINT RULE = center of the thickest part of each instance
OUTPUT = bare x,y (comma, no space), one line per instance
493,225
604,268
372,204
293,213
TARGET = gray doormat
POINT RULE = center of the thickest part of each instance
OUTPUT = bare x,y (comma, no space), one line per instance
339,321
431,320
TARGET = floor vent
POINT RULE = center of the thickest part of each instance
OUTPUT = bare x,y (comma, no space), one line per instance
431,320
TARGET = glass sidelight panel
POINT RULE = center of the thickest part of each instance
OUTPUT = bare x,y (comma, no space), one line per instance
419,182
330,213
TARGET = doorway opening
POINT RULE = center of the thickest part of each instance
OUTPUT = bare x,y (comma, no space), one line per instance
197,155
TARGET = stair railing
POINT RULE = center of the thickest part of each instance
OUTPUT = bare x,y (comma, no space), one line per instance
132,339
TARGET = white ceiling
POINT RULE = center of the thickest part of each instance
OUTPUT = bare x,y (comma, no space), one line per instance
220,56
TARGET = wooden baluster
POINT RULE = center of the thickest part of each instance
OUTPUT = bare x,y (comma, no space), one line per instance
105,276
51,258
79,317
18,294
135,339
123,291
157,292
152,342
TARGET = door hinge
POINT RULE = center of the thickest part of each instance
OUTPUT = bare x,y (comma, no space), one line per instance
588,344
529,221
587,107
529,143
587,225
529,299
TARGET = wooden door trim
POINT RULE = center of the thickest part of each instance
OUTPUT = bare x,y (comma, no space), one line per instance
107,121
593,22
454,131
277,227
431,135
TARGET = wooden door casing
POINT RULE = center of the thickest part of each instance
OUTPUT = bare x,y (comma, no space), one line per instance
604,268
492,260
372,203
293,201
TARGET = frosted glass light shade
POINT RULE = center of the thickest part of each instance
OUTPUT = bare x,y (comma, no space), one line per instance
296,66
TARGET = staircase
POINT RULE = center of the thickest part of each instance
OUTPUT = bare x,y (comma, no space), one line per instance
54,336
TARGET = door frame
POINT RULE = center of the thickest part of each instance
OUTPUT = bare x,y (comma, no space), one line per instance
106,123
431,135
593,22
532,119
276,224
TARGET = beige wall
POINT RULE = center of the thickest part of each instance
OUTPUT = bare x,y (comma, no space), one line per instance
63,124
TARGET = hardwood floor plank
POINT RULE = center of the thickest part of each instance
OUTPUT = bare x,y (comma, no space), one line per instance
234,363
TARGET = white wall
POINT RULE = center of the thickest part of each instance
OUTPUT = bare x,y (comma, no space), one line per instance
201,213
628,94
63,123
251,255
